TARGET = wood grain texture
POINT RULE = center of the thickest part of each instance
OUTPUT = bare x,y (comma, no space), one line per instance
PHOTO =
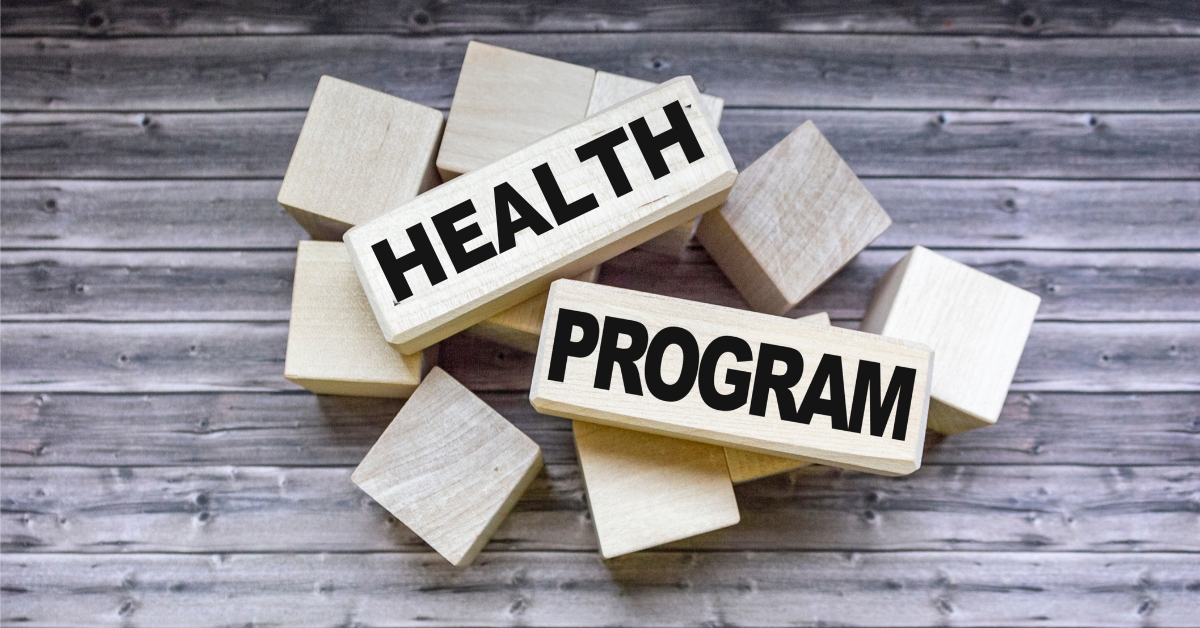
450,467
645,490
746,69
1002,213
180,357
301,429
597,214
520,326
505,100
793,219
977,144
360,153
746,588
334,346
976,324
940,508
1054,17
579,378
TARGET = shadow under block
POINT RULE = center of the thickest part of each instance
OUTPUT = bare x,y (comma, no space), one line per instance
448,259
976,324
334,346
733,378
506,100
449,467
747,466
795,217
520,326
645,490
611,89
360,154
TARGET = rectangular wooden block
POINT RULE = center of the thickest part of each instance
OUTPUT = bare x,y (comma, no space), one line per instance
360,153
976,323
732,378
610,89
449,467
456,255
334,346
795,217
747,466
645,490
506,100
520,326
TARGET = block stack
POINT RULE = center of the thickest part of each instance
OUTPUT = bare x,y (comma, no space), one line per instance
550,169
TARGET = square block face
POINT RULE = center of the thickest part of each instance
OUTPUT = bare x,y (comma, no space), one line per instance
449,467
506,100
976,324
733,378
520,326
455,255
795,217
645,490
360,153
334,343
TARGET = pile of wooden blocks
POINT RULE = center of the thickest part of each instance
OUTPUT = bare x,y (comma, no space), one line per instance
550,169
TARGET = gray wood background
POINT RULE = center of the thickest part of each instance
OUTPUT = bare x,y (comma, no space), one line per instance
157,471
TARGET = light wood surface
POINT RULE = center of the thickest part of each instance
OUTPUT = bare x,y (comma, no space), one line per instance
449,467
506,100
520,326
152,448
488,285
645,490
745,466
572,383
334,346
360,154
795,217
976,324
610,89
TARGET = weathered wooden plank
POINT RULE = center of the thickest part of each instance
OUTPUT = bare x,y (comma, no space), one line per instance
643,589
1049,17
245,286
235,509
940,213
199,357
302,429
979,144
747,69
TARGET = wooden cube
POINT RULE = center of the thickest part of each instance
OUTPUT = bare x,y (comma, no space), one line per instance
449,467
733,378
611,89
334,346
976,324
794,218
448,259
645,490
520,326
506,100
745,466
360,153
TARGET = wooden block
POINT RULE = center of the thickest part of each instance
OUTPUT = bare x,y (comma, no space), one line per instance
645,490
440,263
506,100
520,326
976,324
732,378
746,466
360,153
794,218
334,346
611,89
449,467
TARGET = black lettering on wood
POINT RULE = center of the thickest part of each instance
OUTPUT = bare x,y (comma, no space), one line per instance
527,217
829,370
683,339
602,148
899,395
564,347
652,145
765,380
611,354
563,211
740,380
455,240
422,255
